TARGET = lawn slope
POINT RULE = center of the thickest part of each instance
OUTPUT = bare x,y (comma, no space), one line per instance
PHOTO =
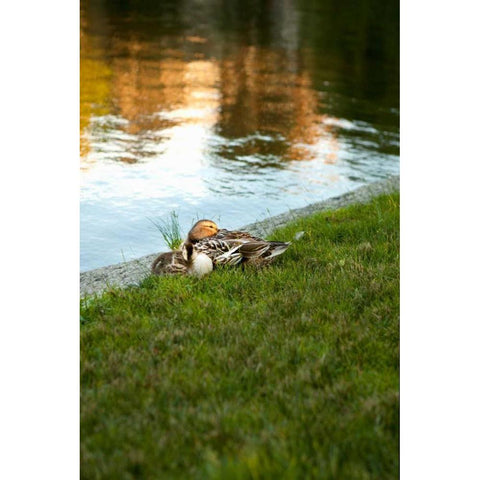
287,372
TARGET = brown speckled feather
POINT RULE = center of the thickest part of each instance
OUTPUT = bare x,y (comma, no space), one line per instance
234,247
169,263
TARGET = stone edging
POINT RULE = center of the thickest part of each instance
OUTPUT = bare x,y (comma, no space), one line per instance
132,272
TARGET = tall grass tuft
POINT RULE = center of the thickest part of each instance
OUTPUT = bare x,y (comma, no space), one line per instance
170,230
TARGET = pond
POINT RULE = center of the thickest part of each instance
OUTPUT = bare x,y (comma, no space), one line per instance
230,110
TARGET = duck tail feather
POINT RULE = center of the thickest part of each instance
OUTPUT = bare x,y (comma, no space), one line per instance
277,248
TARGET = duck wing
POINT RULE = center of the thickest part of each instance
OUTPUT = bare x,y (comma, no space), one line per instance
220,251
234,247
253,249
253,252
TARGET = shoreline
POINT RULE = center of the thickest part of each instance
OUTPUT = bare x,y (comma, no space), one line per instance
134,271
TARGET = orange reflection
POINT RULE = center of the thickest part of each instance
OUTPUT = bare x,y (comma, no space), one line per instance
250,90
272,96
95,87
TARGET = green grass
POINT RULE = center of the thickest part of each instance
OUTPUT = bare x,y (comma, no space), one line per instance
290,372
170,230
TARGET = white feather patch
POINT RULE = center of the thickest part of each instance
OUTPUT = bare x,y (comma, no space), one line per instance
201,265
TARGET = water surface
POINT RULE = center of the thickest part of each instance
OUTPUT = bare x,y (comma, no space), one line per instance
230,110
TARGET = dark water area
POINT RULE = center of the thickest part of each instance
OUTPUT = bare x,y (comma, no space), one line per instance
230,110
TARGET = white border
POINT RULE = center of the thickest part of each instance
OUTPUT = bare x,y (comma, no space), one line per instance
439,240
39,188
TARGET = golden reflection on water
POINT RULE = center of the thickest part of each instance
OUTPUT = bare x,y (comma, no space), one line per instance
95,86
169,101
146,91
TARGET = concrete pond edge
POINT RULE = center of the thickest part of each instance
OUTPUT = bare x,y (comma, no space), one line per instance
133,272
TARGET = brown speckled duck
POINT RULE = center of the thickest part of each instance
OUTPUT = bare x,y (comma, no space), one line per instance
226,247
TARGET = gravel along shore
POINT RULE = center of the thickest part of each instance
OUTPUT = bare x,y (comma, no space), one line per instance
134,271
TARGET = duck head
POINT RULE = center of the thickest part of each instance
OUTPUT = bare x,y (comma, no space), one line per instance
202,229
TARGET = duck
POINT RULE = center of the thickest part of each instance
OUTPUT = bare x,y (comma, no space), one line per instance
184,261
230,247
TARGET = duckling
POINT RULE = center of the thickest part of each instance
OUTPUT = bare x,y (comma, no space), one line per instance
225,247
184,262
169,263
